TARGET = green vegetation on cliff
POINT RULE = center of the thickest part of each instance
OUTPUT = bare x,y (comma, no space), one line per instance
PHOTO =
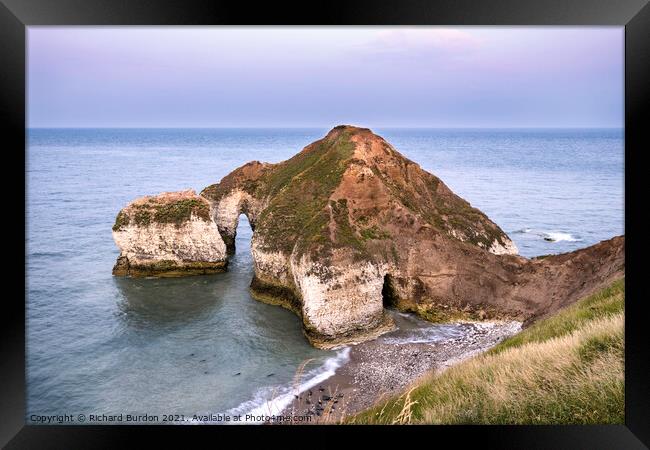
248,178
298,191
442,209
181,211
152,211
566,369
121,221
301,188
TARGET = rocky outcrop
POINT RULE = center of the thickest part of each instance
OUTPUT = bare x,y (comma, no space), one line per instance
349,225
171,234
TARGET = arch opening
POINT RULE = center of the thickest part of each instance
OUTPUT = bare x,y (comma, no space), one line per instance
229,227
243,235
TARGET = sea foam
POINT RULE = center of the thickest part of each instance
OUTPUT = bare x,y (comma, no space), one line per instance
557,237
272,400
550,236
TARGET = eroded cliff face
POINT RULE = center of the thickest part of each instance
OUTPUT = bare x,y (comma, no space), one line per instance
171,234
349,225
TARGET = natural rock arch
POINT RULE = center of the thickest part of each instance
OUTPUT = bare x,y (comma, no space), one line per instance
226,213
349,221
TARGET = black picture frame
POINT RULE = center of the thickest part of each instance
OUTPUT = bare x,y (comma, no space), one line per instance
634,15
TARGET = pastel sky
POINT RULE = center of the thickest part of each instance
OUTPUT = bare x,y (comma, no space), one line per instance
324,76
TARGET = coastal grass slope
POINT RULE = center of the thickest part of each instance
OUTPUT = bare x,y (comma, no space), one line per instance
566,369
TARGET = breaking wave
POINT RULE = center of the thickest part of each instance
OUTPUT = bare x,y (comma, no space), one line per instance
550,236
557,237
272,400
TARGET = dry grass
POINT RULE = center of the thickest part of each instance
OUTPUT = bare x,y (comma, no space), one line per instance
568,369
406,414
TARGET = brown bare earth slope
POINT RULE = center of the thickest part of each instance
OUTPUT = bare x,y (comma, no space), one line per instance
349,226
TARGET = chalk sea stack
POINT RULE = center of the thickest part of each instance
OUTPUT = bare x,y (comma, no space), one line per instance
349,226
171,234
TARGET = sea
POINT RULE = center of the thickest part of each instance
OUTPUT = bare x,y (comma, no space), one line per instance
189,348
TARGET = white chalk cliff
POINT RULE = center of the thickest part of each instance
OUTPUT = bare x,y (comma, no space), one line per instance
171,234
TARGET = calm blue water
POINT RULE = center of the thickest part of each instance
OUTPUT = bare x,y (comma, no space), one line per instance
98,344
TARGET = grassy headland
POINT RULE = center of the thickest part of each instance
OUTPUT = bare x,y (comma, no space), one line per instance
566,369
